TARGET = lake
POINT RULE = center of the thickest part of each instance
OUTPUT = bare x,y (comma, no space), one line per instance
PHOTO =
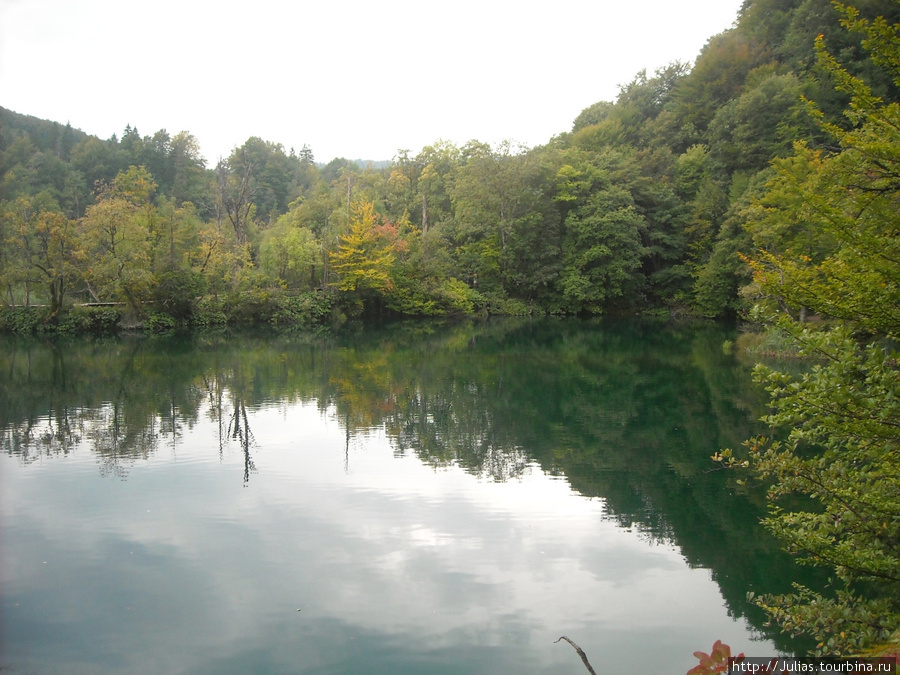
425,497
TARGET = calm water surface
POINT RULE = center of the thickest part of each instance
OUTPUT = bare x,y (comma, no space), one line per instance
424,498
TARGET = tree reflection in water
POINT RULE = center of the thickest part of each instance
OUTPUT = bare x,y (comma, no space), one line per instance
627,412
239,430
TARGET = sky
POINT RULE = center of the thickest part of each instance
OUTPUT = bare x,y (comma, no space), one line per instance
351,79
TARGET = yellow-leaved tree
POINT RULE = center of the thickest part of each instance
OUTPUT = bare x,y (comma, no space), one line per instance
365,256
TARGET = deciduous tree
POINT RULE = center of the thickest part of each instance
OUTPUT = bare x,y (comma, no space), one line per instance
365,256
838,425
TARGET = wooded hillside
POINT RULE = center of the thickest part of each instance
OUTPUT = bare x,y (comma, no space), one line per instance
642,205
765,175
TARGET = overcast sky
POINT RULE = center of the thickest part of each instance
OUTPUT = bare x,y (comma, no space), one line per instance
348,78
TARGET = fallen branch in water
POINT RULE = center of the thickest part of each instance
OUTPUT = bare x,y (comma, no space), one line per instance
584,658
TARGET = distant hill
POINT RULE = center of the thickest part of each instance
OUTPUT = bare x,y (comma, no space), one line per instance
48,137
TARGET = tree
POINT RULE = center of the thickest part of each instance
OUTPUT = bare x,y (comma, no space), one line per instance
268,173
116,232
290,253
818,17
52,251
505,227
762,123
188,181
601,245
593,114
174,253
365,255
705,198
234,195
40,247
719,279
97,161
718,76
837,426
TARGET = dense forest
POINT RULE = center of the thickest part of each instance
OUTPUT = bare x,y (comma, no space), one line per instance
760,181
645,204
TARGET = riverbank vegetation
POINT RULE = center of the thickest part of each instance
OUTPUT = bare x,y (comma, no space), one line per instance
825,230
763,176
645,204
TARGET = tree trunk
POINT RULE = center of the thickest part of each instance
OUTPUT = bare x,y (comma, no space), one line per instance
424,214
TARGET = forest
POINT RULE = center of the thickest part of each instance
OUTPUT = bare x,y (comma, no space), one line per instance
645,205
759,182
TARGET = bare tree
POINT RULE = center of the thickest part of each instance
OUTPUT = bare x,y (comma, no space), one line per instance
234,178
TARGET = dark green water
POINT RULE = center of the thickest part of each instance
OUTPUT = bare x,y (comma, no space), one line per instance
433,498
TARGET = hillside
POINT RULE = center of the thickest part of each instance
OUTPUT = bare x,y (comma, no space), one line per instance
641,205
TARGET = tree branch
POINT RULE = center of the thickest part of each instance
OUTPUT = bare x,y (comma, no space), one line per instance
584,658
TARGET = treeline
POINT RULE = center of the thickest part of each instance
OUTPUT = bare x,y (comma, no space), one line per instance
766,175
642,206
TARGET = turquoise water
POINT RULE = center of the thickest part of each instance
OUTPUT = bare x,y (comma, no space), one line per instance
419,498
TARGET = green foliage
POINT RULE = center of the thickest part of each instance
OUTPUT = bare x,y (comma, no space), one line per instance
842,451
716,283
305,311
117,239
831,225
457,297
176,292
76,320
22,320
94,320
160,322
262,173
265,306
250,307
601,246
209,312
505,228
641,205
290,253
772,342
592,115
762,123
40,247
410,298
718,77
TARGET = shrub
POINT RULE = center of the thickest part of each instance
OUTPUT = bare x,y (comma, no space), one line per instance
22,320
160,322
209,312
305,310
97,320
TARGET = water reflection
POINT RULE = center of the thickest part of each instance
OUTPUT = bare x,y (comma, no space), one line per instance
627,414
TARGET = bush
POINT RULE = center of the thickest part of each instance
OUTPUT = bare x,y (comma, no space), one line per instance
305,310
260,306
176,291
77,320
457,297
251,307
209,312
97,320
500,305
22,320
160,322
